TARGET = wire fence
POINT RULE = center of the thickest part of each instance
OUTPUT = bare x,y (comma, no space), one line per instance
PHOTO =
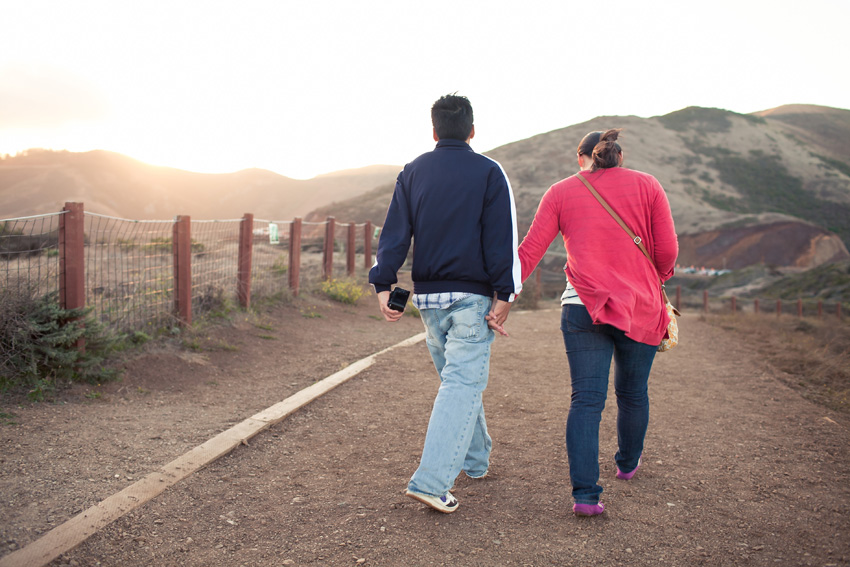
271,257
131,266
29,254
215,253
129,274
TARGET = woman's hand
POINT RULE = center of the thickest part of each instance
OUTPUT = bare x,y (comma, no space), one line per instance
498,315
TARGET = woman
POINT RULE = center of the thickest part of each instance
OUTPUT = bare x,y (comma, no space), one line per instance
612,304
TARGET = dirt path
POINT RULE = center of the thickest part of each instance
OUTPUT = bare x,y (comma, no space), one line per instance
738,468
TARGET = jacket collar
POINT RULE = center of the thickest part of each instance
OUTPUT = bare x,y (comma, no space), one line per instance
450,144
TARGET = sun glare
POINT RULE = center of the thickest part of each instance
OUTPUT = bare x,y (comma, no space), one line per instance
303,89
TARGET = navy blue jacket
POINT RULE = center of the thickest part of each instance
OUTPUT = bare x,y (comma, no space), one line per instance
458,207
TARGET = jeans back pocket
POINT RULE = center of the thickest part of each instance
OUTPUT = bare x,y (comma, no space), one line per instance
576,319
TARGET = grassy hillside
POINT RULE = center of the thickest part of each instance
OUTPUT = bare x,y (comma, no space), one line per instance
761,177
721,171
829,283
821,127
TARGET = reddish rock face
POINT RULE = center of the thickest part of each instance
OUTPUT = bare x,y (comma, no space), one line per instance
785,244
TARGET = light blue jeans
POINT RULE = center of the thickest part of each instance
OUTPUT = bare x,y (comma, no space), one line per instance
459,341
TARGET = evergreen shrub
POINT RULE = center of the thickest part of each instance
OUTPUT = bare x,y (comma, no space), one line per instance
38,343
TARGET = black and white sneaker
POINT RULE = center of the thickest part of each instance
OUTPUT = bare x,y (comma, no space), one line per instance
446,503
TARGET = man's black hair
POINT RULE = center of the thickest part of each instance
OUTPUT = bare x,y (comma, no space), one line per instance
452,117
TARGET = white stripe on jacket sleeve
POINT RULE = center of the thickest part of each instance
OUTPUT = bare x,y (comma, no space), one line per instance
516,269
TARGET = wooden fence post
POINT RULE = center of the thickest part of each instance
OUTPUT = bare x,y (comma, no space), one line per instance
820,309
246,251
778,307
182,249
367,246
328,255
799,307
295,255
705,300
734,305
72,265
838,310
756,305
352,237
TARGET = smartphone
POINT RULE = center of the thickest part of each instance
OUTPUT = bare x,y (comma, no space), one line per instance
398,299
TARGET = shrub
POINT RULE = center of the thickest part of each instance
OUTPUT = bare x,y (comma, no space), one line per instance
211,300
38,343
165,244
344,291
280,267
695,117
766,184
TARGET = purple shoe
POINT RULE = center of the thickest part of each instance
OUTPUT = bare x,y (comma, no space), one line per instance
628,475
588,509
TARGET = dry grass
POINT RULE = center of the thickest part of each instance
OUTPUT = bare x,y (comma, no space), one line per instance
811,355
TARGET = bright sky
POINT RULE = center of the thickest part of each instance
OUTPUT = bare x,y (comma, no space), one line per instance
308,87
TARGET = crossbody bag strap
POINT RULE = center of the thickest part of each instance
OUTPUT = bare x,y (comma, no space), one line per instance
636,239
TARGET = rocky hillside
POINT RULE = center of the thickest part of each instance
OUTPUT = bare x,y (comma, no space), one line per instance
771,187
41,181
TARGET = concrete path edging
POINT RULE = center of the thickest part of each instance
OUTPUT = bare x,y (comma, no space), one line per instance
73,532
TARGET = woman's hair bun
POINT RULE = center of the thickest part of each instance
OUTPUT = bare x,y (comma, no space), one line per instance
606,153
610,135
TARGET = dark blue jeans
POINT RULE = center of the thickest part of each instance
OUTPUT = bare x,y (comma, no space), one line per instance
590,349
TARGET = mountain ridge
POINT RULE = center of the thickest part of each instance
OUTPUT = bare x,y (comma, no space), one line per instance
781,174
743,188
40,181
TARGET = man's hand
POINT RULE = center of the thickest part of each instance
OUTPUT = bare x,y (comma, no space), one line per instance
390,315
498,315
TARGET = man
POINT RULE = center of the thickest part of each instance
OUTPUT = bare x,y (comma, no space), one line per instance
459,209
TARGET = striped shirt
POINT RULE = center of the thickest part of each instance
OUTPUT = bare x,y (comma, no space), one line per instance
442,300
570,295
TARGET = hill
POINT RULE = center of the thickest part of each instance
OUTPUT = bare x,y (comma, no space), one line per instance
771,187
41,181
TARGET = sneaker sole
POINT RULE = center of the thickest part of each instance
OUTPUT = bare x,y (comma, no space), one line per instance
428,501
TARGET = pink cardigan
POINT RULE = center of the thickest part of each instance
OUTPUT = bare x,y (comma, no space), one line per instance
613,278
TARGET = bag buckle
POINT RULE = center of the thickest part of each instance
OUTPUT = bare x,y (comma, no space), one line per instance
637,240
